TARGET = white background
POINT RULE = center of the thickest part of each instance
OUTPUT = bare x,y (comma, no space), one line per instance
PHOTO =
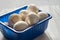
5,4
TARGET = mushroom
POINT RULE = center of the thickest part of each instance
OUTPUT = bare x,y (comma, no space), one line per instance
32,18
32,8
42,15
20,25
13,19
23,14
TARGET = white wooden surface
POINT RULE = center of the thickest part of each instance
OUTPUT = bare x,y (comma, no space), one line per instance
51,6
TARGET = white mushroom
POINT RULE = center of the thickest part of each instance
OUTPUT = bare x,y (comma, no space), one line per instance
42,15
23,14
20,25
32,18
32,8
13,19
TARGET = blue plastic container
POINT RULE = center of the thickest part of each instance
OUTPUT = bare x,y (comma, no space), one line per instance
27,34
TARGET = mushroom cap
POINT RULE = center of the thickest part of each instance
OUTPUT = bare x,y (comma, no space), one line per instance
33,8
13,19
32,18
42,15
20,25
23,14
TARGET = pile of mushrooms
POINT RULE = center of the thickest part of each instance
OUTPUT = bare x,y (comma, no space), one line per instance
26,18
